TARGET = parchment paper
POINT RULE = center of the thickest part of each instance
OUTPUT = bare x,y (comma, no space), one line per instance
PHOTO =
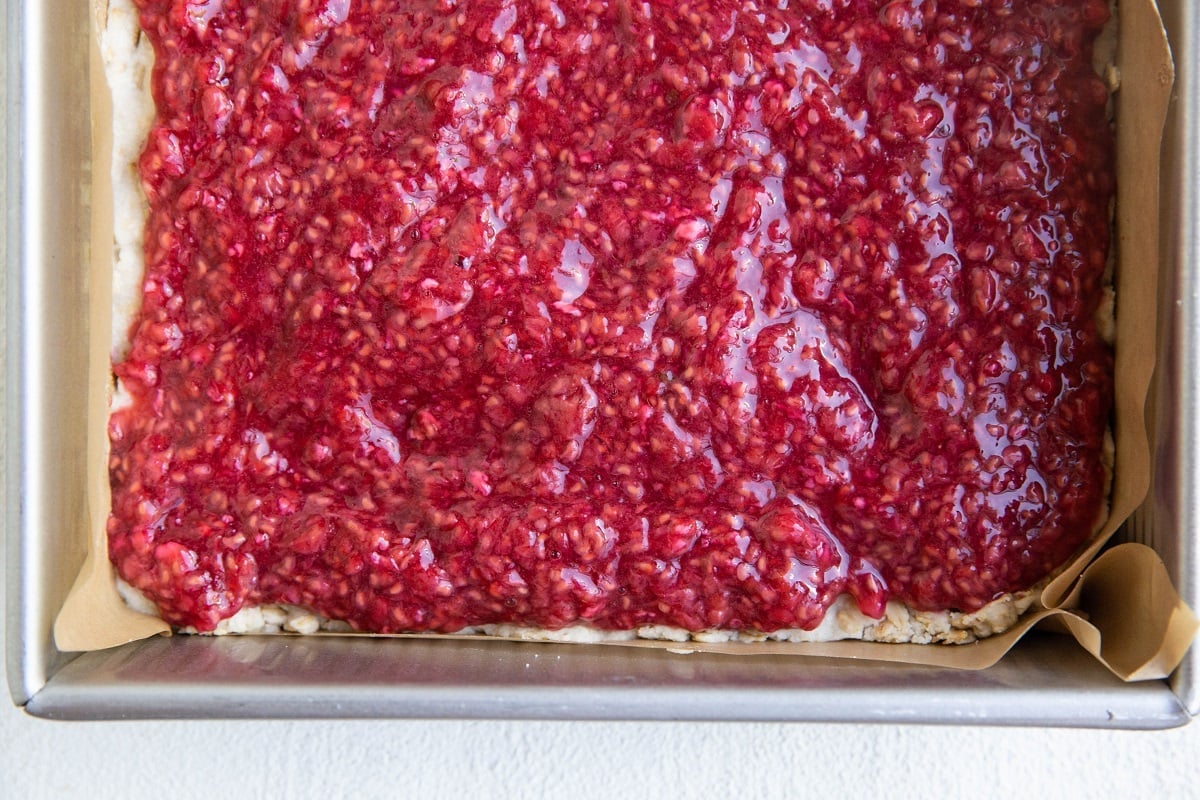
1120,606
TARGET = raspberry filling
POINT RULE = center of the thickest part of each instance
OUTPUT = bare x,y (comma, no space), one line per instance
697,314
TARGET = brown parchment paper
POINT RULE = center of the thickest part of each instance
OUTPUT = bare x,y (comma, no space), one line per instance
1119,605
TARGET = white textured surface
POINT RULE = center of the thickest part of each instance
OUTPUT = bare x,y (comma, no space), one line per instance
583,760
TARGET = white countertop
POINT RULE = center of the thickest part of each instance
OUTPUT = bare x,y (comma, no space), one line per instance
581,760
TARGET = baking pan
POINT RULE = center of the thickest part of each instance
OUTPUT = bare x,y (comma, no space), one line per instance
1046,680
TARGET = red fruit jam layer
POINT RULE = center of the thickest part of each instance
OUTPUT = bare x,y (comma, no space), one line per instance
686,313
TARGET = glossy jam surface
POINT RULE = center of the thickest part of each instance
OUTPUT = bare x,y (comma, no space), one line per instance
697,314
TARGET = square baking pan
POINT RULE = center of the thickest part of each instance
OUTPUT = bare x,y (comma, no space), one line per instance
1045,680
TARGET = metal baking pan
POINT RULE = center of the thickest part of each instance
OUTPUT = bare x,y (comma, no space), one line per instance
1046,680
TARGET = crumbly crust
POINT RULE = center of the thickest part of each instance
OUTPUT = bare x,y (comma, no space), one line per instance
899,624
129,60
